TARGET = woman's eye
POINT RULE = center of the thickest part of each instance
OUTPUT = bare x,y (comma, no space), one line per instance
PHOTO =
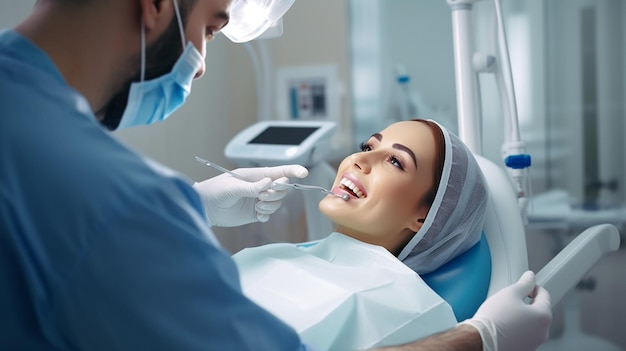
396,162
365,147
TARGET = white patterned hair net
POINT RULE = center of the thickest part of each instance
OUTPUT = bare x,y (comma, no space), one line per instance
455,220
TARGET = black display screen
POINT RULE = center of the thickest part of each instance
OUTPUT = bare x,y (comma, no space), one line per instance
283,135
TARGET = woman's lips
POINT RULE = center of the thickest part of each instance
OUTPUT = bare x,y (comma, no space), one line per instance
350,185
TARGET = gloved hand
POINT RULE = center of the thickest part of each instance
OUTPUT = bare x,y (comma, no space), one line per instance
230,202
507,321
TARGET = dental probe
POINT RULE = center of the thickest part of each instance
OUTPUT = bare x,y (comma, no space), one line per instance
344,197
222,169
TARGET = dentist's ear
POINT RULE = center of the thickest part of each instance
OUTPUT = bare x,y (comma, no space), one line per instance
157,16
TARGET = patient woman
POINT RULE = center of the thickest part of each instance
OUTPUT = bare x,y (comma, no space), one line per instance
417,200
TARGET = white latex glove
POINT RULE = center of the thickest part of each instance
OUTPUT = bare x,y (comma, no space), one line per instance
230,202
508,321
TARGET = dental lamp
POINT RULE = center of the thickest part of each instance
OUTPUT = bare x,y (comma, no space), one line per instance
467,66
251,19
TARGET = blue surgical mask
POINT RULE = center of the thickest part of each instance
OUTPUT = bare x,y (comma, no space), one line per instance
156,99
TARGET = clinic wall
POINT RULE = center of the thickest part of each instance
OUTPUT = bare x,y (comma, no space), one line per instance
611,89
12,11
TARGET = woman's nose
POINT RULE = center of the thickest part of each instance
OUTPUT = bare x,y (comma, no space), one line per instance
361,161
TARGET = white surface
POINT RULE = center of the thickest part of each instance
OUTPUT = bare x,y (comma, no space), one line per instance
312,150
554,209
569,266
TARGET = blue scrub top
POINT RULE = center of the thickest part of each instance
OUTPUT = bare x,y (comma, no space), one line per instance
100,247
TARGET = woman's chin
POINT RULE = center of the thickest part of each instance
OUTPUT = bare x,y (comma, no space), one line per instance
329,206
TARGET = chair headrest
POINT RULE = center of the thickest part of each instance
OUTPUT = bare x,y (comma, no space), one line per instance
464,281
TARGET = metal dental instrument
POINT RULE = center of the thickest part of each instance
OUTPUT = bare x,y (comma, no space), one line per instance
222,169
345,197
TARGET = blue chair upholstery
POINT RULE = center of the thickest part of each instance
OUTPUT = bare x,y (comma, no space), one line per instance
464,281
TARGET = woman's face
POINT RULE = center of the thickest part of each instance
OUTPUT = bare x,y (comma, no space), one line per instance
386,182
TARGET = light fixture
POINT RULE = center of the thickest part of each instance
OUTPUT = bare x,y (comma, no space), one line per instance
251,18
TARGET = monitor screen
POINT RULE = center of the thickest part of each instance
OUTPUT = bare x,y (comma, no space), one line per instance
283,135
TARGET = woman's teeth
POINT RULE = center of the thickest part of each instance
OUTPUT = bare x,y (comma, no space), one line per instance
351,187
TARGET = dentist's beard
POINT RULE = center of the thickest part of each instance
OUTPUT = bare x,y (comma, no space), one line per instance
160,59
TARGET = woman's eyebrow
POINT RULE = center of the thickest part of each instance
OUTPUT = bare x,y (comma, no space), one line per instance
407,150
398,147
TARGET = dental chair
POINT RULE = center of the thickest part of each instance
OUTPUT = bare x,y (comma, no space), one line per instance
500,257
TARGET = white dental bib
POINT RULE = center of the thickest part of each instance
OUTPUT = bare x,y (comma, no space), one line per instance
340,293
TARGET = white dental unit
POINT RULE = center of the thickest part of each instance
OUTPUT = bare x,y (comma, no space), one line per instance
274,143
281,142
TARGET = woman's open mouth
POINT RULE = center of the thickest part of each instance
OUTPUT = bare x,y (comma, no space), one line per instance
351,188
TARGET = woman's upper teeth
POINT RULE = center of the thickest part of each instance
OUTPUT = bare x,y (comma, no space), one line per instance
352,187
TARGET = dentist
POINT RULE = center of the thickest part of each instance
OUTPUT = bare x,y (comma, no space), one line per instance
102,248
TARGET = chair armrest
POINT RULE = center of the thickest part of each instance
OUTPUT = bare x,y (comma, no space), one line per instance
569,266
